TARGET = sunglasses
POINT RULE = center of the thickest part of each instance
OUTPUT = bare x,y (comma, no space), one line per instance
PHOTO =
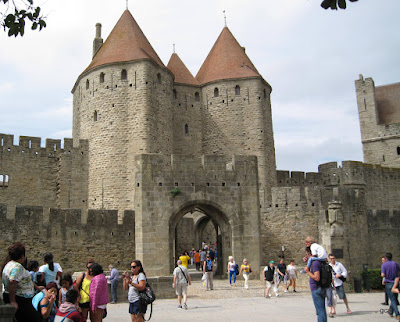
133,266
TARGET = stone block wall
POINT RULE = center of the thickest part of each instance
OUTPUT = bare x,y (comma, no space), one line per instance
48,176
72,239
384,232
240,122
187,120
221,187
121,117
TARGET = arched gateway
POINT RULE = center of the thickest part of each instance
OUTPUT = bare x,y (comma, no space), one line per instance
207,212
223,189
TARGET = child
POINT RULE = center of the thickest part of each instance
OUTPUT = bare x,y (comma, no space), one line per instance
318,253
69,311
66,285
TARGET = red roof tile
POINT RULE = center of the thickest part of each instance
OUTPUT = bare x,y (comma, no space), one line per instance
227,59
126,42
388,103
180,71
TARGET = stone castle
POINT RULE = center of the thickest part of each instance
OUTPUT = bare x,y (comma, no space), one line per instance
161,160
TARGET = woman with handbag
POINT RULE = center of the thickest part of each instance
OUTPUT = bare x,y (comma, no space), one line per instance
134,284
82,285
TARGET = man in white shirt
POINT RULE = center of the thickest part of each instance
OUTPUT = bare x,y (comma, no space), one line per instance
339,274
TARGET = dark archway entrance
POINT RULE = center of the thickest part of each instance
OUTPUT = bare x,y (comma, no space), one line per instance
196,222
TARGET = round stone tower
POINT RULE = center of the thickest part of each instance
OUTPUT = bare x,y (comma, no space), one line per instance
122,106
238,117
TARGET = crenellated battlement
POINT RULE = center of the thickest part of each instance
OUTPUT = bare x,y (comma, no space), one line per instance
30,144
356,173
72,235
205,170
298,178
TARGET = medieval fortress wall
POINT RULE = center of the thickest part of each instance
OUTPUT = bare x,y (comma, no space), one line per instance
300,205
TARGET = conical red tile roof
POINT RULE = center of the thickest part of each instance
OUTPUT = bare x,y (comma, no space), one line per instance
126,42
226,60
180,71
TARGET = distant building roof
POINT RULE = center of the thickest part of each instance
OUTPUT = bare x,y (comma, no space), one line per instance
226,60
126,42
180,71
388,103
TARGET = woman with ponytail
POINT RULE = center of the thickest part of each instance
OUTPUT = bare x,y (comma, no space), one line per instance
50,272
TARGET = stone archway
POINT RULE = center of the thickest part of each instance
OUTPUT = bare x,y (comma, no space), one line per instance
211,212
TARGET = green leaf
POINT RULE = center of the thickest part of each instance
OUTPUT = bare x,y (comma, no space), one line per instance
34,26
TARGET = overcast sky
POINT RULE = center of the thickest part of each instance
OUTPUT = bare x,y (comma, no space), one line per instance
309,55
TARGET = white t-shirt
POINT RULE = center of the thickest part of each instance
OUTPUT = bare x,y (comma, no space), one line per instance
133,293
318,250
232,266
291,270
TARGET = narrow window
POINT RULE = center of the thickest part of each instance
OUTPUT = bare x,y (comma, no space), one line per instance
95,116
124,74
216,92
186,129
159,78
383,158
197,97
30,144
2,141
398,149
175,94
55,147
237,90
87,84
101,77
265,93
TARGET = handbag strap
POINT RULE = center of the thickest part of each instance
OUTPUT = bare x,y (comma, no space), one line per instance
67,315
184,275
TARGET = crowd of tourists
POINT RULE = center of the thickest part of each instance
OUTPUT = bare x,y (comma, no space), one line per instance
45,293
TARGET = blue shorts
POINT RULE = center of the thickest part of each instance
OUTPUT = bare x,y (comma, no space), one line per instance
340,292
135,308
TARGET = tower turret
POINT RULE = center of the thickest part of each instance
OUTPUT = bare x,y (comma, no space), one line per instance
122,106
237,107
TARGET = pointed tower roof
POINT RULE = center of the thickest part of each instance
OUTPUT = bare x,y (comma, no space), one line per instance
126,42
180,71
227,59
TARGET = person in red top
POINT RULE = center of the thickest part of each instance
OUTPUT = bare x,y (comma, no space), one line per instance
68,311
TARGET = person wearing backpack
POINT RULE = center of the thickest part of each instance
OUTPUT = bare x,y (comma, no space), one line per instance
318,286
208,269
69,311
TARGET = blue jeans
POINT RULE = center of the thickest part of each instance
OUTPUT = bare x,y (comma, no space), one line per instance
318,297
312,259
232,273
392,297
114,290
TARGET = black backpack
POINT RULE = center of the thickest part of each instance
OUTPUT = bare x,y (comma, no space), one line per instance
325,280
